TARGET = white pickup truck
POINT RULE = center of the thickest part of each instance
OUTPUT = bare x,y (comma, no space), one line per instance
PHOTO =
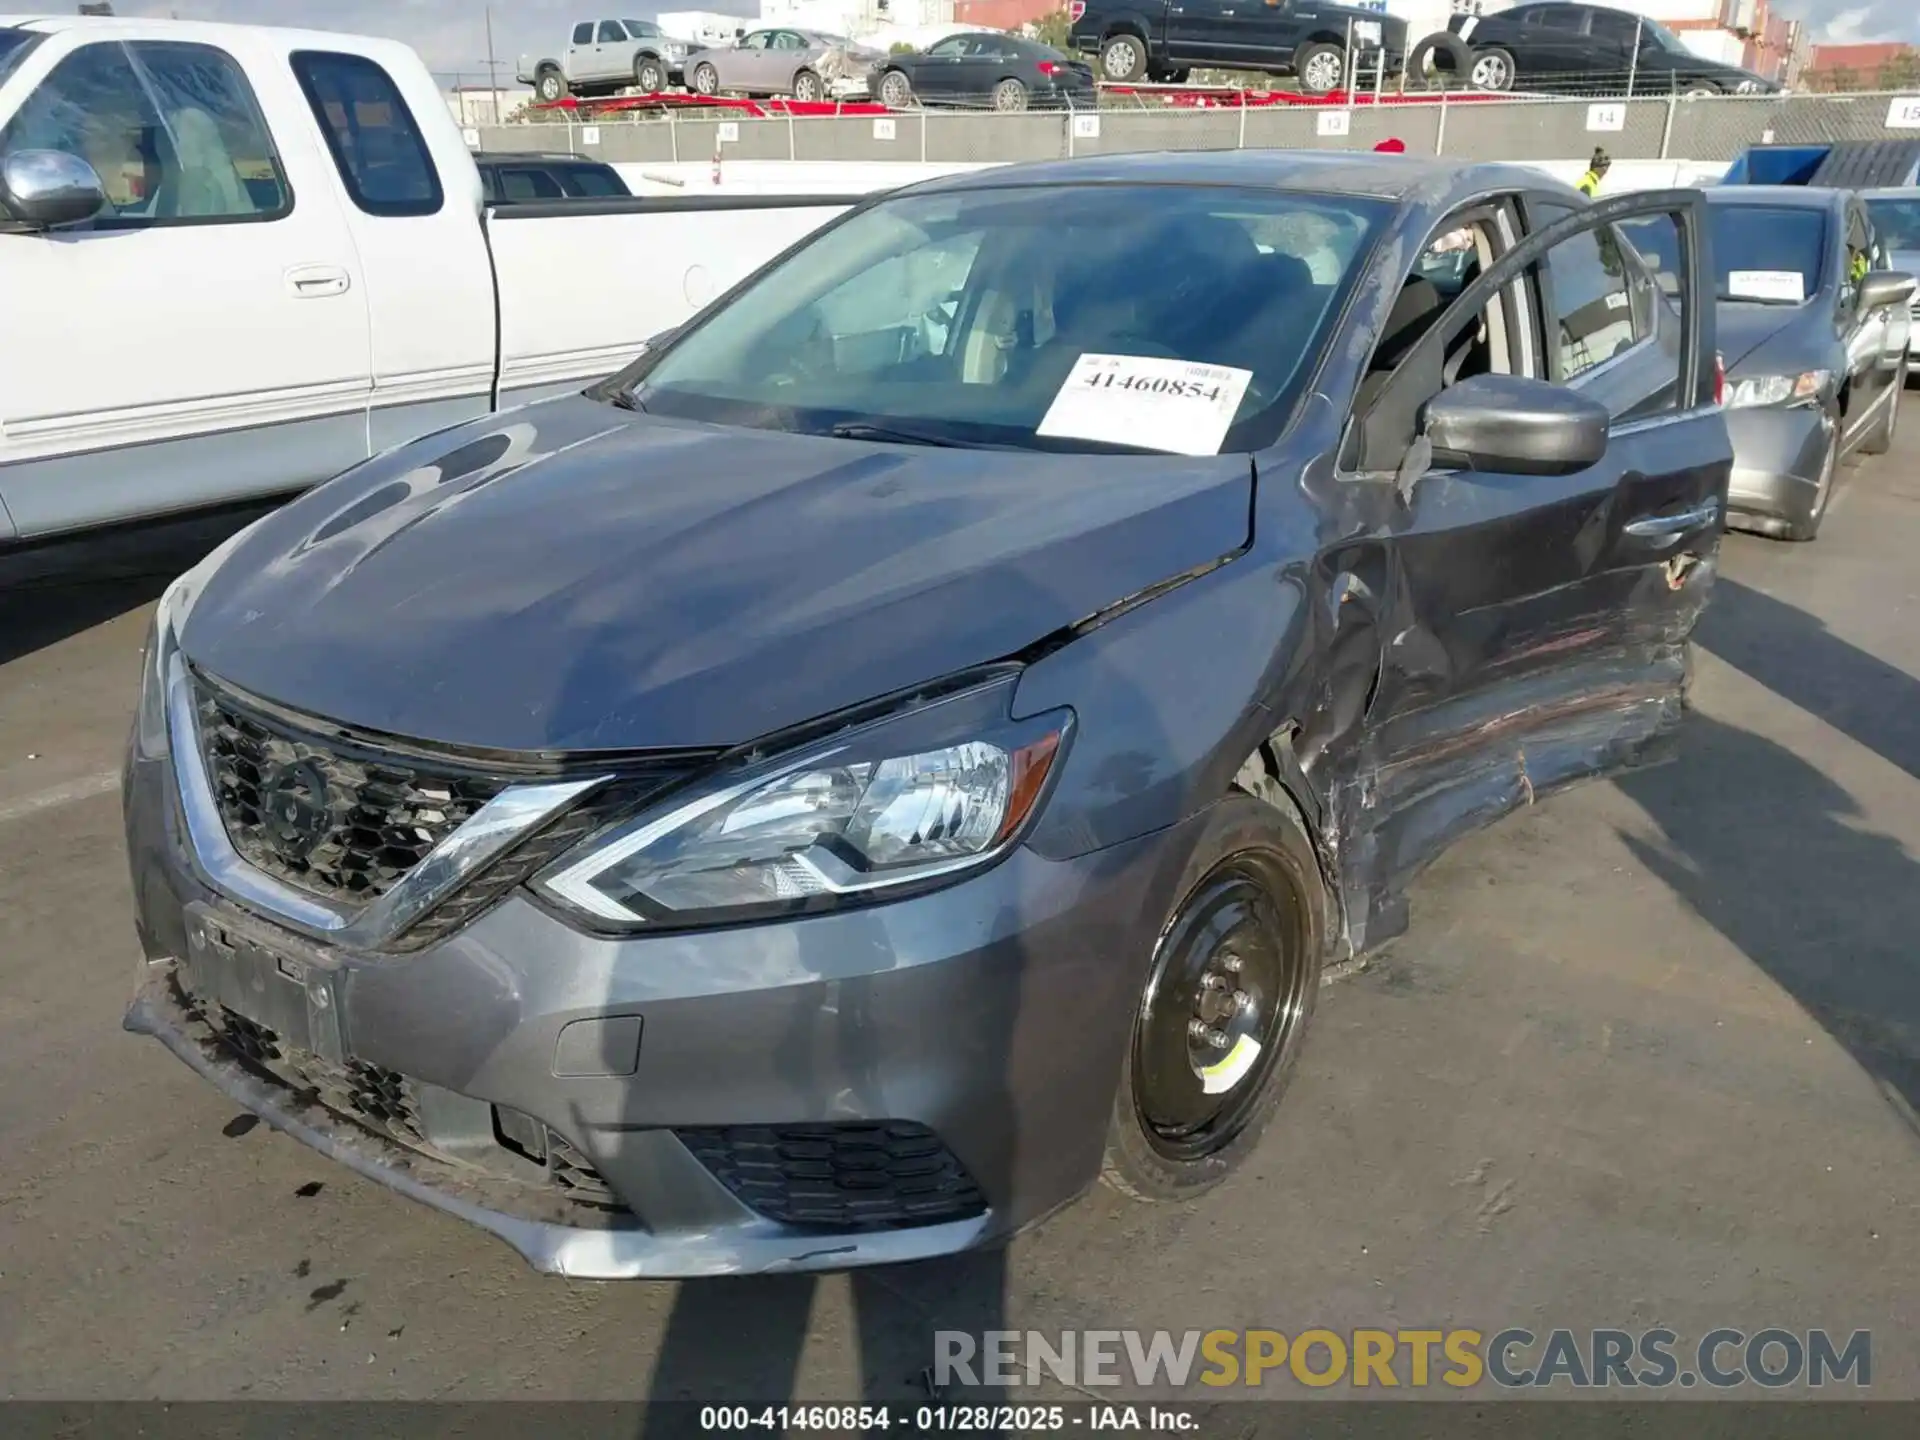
236,260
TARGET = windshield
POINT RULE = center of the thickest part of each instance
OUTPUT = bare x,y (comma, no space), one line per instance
1765,255
14,45
643,29
1898,222
961,316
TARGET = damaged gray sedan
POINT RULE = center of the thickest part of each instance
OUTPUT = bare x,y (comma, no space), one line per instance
913,744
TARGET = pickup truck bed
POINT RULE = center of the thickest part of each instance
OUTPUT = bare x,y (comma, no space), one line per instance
305,279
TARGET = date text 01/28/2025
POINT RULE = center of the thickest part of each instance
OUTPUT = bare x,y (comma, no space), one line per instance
936,1419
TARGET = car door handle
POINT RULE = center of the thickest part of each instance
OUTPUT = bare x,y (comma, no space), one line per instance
1663,528
310,282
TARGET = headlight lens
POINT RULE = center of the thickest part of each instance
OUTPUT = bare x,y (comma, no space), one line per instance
858,819
1805,388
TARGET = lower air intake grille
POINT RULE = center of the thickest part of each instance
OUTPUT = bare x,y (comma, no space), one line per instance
876,1175
370,1095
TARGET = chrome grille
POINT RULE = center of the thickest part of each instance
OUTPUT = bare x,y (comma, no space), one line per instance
339,824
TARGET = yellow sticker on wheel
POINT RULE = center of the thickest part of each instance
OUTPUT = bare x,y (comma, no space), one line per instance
1230,1069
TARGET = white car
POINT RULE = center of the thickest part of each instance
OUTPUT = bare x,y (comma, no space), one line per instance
806,64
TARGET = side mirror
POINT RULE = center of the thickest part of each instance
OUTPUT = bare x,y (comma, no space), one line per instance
44,189
1514,425
1886,287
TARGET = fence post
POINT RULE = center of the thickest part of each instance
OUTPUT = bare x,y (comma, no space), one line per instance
1440,133
1068,122
792,153
673,138
923,137
1666,134
1243,120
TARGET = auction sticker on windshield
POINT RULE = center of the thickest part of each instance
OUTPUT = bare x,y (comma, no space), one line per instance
1142,400
1787,285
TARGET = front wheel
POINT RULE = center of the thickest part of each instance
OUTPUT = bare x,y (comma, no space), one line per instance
706,79
648,76
896,91
1227,998
1809,528
1123,57
807,87
1492,70
1700,90
1009,95
1880,441
1320,67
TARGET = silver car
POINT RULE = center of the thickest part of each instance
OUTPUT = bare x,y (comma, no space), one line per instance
1896,225
806,64
1814,329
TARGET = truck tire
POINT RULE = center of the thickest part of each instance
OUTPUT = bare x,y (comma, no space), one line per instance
1225,1002
1169,77
1123,57
807,87
1446,53
705,80
1320,67
649,75
1492,70
550,85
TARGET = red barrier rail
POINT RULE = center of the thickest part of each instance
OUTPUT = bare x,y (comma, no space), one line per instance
754,109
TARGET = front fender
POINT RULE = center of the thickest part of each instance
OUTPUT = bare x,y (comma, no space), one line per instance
1170,698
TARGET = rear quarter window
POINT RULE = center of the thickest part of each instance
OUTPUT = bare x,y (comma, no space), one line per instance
375,142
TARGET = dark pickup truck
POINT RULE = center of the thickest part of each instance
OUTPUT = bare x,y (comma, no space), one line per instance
1163,40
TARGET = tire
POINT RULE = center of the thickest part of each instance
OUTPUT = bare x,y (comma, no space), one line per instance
1123,57
1699,90
1492,70
1441,45
705,80
1168,77
550,86
1252,882
1320,67
1009,96
1881,440
807,87
896,91
1809,528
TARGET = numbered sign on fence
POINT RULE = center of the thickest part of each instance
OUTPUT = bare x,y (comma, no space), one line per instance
1606,117
1086,127
883,129
472,137
589,134
729,132
1334,122
1903,113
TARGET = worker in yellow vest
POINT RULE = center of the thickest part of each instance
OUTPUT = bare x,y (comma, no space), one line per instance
1589,183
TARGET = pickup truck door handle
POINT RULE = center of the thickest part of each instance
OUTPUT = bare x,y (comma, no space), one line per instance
1664,529
309,282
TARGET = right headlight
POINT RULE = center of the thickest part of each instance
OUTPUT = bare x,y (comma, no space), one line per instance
918,798
1806,388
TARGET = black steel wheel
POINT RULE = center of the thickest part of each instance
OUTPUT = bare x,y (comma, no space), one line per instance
1226,1001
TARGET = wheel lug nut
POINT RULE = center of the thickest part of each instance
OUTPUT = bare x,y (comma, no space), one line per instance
1217,1039
1198,1029
1243,999
1211,982
1230,964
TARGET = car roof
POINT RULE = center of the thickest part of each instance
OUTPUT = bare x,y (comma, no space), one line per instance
1361,172
1778,197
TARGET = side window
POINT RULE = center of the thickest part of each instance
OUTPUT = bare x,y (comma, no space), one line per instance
787,40
611,32
375,143
173,131
1592,314
583,34
1859,254
522,184
948,48
1616,27
590,181
1563,17
1608,293
756,41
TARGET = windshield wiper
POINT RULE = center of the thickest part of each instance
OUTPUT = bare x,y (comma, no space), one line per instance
626,400
859,430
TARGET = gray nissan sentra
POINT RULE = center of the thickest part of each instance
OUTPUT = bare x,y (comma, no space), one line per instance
915,742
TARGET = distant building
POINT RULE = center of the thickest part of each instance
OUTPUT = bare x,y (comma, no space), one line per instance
475,105
1862,67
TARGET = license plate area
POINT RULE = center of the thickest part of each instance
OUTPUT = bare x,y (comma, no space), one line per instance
230,965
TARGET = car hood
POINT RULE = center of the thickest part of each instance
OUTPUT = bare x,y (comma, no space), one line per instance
1743,329
575,577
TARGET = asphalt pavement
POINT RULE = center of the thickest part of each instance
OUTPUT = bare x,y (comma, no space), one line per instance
1649,1055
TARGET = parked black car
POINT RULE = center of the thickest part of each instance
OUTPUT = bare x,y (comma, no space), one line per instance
1162,40
1592,50
988,68
510,179
908,745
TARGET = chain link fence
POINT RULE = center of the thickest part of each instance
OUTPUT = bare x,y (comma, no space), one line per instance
1673,128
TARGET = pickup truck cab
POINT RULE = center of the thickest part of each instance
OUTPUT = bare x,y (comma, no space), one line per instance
1162,40
605,56
241,259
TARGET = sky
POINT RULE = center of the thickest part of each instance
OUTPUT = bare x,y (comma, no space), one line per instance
452,34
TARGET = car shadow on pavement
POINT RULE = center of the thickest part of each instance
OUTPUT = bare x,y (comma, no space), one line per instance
1794,655
1772,853
50,591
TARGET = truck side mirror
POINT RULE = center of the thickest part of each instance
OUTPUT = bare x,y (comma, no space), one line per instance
45,189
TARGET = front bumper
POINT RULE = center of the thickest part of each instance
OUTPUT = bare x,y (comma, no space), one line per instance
990,1016
1778,453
